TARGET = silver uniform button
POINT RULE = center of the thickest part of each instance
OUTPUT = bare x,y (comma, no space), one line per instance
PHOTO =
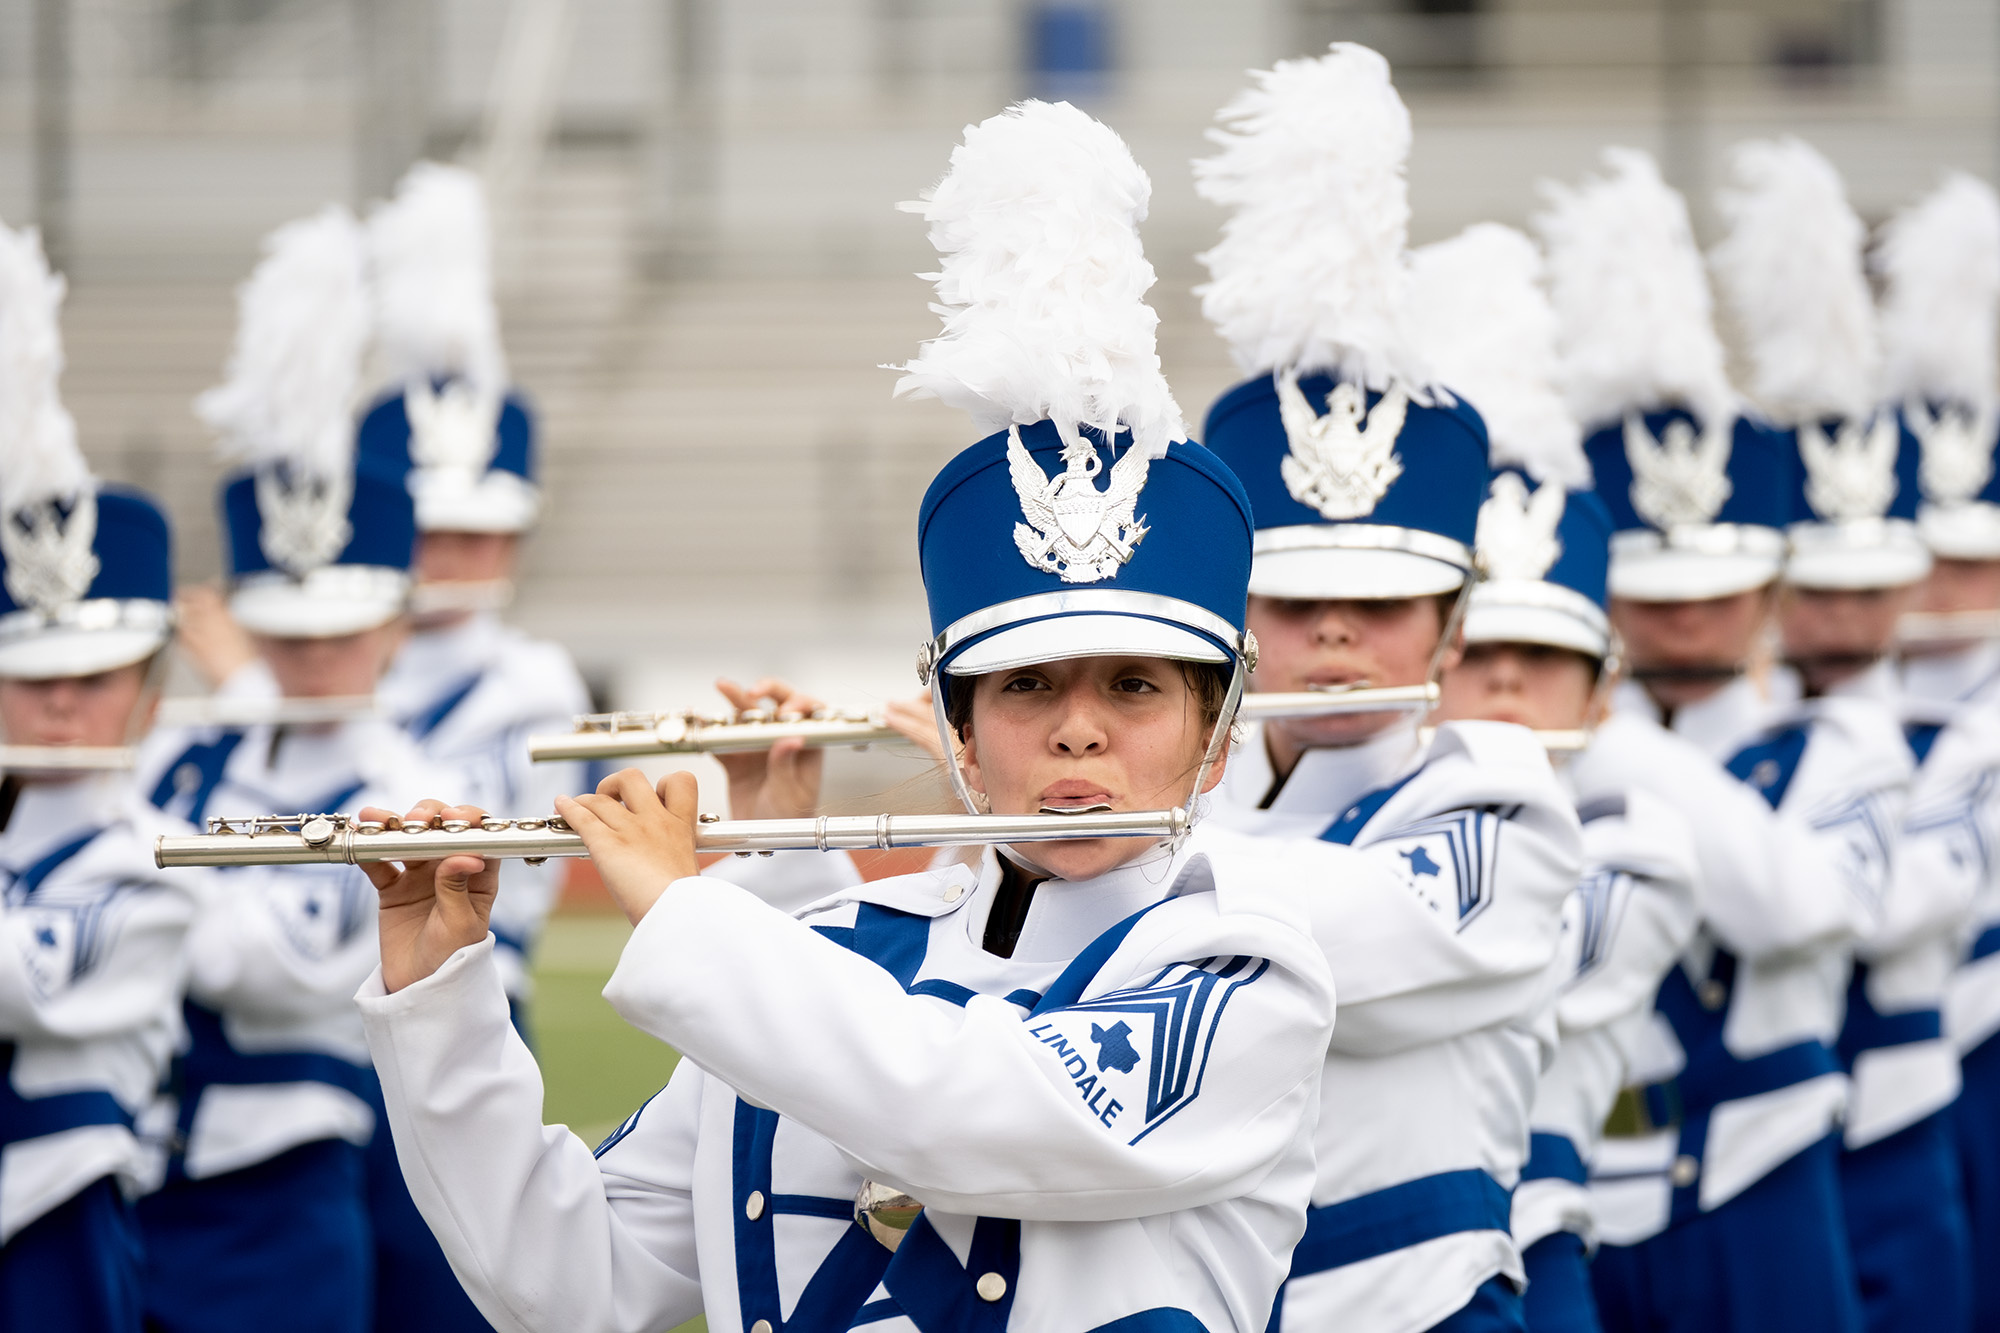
1685,1171
761,1326
1713,995
991,1286
954,893
753,1207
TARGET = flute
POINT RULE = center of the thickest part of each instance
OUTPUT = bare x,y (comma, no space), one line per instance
278,840
623,735
1929,629
208,711
65,758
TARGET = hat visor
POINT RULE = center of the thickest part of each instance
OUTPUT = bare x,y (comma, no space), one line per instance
51,654
1323,574
498,501
1688,576
1835,570
283,609
1961,532
1488,623
1091,634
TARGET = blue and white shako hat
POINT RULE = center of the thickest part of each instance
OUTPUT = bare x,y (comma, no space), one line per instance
1696,490
1480,315
86,570
1085,525
1790,267
317,546
1366,478
1940,264
448,423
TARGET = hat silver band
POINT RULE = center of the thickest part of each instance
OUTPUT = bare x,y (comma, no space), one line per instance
1363,537
93,614
1095,601
1718,539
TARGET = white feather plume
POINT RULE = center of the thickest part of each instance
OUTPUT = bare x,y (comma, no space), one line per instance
1311,273
1636,323
1043,280
39,459
1480,317
1940,260
430,252
1790,269
296,369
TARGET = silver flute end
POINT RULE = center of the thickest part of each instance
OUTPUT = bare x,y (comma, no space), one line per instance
322,839
622,735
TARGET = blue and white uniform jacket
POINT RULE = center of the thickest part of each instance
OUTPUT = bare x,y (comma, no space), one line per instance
1110,1130
1738,1071
91,971
1632,914
1447,961
274,1054
471,695
1965,686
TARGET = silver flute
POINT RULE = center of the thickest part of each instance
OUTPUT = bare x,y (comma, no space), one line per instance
1941,629
65,758
200,710
280,840
626,735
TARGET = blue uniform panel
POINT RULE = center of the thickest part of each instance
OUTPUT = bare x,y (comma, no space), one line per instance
1558,1299
75,1269
1906,1228
1772,1260
1975,1115
282,1244
1494,1308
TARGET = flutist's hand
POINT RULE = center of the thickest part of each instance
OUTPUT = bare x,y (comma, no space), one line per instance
430,909
640,839
783,781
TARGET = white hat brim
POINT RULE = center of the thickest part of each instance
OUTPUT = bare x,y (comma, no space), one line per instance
1338,574
1099,634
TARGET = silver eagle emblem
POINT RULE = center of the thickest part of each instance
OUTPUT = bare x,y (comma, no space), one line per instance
1517,531
1343,463
304,518
1679,478
1073,529
452,427
1852,475
1957,451
49,561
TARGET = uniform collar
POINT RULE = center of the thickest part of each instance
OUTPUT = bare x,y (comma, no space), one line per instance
431,660
1327,779
1066,915
1955,676
49,814
1718,724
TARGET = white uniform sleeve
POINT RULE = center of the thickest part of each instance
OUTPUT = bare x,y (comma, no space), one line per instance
1762,881
283,942
542,1235
1942,863
789,881
1849,799
75,970
1456,919
1633,911
975,1109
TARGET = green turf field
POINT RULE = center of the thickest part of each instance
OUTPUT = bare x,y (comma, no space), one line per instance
595,1068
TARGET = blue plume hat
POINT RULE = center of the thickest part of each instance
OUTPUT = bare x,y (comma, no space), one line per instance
1358,493
467,456
309,558
1854,504
1028,558
1546,552
114,543
1698,510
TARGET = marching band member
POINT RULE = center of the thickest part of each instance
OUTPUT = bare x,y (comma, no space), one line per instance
1791,266
1366,481
264,1220
1716,1188
90,932
1941,262
468,687
1538,653
1094,1063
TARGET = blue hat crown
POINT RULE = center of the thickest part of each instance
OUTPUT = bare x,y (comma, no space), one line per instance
1545,551
467,454
1038,538
86,583
1854,503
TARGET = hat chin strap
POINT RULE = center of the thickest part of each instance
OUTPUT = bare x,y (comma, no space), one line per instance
1218,745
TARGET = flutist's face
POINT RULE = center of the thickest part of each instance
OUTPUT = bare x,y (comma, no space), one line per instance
98,709
344,664
1383,641
1124,732
1528,684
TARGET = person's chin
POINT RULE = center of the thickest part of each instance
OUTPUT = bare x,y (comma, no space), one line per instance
1351,729
1083,858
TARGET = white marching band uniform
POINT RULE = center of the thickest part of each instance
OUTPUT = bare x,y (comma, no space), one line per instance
1155,1191
1446,960
91,966
1961,690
